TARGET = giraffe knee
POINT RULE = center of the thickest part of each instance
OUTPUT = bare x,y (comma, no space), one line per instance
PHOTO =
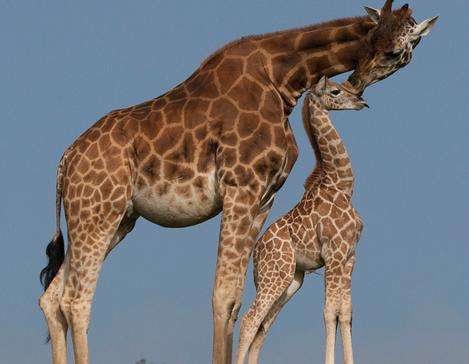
222,306
47,303
250,325
226,304
345,314
345,319
50,299
76,312
247,320
330,315
43,302
246,325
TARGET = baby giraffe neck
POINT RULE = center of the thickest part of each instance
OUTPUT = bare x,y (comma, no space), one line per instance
331,154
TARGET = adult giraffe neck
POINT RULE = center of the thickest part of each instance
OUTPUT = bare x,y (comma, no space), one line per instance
299,57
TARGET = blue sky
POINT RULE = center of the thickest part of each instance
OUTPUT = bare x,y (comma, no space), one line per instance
64,64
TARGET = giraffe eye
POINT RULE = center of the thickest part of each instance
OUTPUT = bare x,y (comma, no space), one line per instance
394,54
335,92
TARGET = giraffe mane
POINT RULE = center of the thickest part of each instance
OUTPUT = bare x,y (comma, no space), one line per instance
312,178
254,37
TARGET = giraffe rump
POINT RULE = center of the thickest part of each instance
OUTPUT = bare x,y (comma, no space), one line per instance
55,251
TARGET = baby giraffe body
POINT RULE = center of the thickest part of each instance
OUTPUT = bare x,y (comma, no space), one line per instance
321,230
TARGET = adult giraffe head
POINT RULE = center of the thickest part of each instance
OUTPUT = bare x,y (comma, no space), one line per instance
388,47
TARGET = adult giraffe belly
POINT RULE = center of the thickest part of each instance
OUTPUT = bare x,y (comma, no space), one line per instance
174,204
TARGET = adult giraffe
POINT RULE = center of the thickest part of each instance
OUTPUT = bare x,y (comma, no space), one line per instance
219,141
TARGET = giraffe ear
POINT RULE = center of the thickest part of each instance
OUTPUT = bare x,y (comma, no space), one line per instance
373,13
424,28
406,11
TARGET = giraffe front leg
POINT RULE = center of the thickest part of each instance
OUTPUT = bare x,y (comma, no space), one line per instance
239,224
331,311
345,311
255,229
338,305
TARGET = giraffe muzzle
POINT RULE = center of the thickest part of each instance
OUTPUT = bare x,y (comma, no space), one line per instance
363,103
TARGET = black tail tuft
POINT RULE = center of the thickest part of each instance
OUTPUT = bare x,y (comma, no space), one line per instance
56,253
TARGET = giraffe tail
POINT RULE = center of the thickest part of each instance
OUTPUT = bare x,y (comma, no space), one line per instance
55,251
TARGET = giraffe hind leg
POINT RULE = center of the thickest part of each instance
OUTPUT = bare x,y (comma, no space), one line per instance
50,300
90,240
256,314
56,322
272,284
258,342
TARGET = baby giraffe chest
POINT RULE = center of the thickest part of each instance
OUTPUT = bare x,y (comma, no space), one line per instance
324,229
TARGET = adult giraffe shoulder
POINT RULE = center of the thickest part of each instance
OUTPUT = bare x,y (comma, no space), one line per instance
219,141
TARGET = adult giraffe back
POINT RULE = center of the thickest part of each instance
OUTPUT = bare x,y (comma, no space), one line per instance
219,141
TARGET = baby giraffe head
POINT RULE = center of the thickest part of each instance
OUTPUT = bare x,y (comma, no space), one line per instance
333,96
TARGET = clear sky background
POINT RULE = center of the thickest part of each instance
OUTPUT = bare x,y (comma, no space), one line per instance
64,64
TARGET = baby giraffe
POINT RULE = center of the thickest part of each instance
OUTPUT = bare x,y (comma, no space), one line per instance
321,230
